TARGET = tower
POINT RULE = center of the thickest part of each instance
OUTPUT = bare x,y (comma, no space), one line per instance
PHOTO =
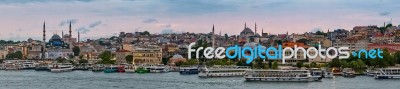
255,28
79,37
70,31
244,25
213,37
44,40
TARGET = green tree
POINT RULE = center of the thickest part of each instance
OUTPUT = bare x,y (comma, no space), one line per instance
397,57
83,61
76,50
299,64
106,57
313,65
61,60
335,63
146,33
129,59
275,65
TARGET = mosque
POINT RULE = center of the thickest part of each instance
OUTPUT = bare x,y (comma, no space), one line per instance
248,36
57,46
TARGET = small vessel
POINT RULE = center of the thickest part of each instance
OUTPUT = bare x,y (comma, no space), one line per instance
62,68
188,70
371,73
142,70
223,71
327,73
388,73
110,69
348,73
130,69
11,66
281,76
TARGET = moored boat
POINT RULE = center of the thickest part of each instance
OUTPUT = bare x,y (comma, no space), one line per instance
159,69
348,73
110,69
388,73
281,76
188,70
223,71
62,68
130,69
142,70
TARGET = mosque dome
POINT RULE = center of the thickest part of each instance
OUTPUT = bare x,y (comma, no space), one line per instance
251,44
55,37
177,56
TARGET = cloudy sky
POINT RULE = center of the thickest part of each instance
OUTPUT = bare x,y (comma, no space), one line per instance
23,19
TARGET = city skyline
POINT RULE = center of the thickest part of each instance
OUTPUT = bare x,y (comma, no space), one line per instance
23,19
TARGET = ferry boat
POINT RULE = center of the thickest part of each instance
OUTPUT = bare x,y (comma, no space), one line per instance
223,71
142,70
120,69
130,69
388,73
348,73
42,67
62,68
159,69
28,65
188,70
110,69
11,66
97,68
371,73
281,76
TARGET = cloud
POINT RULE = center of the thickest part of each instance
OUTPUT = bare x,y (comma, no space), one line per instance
316,29
65,22
384,13
95,24
83,30
169,31
150,20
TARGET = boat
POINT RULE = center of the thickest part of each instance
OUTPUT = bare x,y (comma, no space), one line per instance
281,76
371,73
110,69
142,70
11,66
28,65
42,67
388,73
130,69
223,71
348,73
188,70
97,68
120,69
159,69
56,68
327,73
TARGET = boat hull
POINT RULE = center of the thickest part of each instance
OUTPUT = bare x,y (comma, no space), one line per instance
283,79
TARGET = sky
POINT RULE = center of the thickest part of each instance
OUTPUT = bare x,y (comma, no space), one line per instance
23,19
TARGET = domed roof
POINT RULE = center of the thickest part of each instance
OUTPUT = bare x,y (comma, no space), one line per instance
177,56
247,30
251,44
55,37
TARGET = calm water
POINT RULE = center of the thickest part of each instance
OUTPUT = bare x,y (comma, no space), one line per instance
29,79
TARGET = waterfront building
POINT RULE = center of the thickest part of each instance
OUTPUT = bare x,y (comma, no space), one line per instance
147,54
392,48
353,44
120,56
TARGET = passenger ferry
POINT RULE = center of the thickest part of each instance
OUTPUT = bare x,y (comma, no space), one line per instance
28,65
388,73
281,76
188,70
110,69
159,69
42,67
97,68
223,71
62,68
130,68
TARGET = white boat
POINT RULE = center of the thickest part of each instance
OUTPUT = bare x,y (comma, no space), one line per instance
223,71
61,68
388,73
130,68
281,76
159,69
327,73
348,73
29,65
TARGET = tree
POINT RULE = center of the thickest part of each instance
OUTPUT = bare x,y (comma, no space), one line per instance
275,65
397,57
83,61
76,50
17,55
61,60
335,63
129,59
299,64
146,33
313,65
106,57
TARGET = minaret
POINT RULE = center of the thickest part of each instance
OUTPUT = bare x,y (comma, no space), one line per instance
44,40
70,31
245,25
262,32
79,37
62,33
255,28
213,37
